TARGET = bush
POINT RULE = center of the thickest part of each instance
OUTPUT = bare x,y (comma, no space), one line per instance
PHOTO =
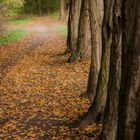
22,20
14,8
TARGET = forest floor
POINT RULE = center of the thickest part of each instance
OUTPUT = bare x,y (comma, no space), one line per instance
40,94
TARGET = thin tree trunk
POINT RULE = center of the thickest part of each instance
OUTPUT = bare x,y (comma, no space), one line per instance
39,7
111,110
62,10
83,40
3,19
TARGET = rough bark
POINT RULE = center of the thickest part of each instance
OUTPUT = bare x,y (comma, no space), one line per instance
62,10
96,110
96,18
98,104
73,23
83,40
137,134
111,111
129,100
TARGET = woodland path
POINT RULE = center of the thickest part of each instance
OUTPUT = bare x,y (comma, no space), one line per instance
39,91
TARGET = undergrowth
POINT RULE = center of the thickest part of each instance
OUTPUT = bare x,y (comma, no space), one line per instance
61,29
20,21
12,35
54,15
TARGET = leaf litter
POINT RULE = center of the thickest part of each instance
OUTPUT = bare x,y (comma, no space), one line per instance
40,94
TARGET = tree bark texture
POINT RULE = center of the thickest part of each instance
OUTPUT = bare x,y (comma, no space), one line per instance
109,130
96,18
96,111
73,23
83,40
62,10
129,99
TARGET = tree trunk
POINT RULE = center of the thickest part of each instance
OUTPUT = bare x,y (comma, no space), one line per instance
73,23
111,110
96,110
83,40
129,100
129,96
96,18
138,125
62,10
38,7
3,18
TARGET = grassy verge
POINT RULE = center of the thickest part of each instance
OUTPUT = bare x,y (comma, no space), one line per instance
20,21
61,29
54,15
13,35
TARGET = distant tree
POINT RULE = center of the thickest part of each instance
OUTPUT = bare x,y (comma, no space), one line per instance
83,40
14,8
62,10
96,18
73,23
41,7
3,19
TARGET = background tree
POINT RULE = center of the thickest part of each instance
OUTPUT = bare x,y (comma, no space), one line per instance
3,18
14,8
83,40
62,10
96,17
73,23
41,7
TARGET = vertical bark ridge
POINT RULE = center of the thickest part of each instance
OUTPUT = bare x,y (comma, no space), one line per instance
111,111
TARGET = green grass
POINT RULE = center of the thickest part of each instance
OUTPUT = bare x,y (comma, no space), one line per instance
61,29
54,15
13,35
20,21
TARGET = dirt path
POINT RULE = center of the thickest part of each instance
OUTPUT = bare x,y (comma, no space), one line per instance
39,92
